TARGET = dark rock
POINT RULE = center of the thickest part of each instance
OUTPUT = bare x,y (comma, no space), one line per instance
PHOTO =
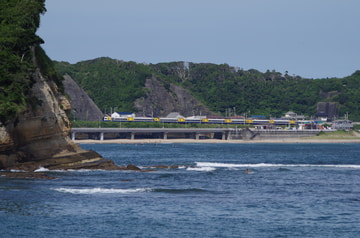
78,160
162,100
132,167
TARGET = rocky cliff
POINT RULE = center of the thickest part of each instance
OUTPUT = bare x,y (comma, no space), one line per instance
38,136
163,99
82,106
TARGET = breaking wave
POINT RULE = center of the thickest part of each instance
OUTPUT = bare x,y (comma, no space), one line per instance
259,165
41,169
180,191
101,190
204,169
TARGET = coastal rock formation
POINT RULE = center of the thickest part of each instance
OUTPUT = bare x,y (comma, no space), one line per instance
163,99
38,136
82,106
34,123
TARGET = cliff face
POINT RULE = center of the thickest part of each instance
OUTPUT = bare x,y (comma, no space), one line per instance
162,100
38,137
83,107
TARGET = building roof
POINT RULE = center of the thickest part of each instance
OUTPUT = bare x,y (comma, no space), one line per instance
174,115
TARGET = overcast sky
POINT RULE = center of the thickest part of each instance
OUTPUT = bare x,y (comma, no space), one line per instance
309,38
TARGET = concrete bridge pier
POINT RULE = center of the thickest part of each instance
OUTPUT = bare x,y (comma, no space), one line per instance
132,135
101,135
73,136
165,135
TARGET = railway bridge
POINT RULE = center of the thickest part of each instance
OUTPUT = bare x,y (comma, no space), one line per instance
159,133
187,133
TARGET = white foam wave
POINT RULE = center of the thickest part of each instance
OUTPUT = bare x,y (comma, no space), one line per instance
226,165
41,169
83,170
205,169
16,170
218,165
101,190
352,166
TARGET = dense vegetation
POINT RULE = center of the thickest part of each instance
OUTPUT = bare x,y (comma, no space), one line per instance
19,48
224,89
110,83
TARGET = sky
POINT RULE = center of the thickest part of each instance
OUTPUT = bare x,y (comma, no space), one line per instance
308,38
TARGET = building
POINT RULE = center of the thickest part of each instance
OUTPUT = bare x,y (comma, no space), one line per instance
122,115
175,115
293,116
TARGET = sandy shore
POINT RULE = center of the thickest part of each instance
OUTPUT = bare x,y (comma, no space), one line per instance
169,141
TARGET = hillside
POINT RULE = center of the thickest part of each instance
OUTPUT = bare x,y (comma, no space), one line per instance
210,89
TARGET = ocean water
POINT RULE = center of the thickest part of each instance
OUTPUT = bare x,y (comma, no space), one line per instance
292,190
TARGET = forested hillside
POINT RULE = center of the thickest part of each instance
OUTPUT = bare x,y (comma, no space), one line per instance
110,83
223,89
19,47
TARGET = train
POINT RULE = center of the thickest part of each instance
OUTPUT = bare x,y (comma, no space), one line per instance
248,121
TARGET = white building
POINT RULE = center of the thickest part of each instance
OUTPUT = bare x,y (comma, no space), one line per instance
122,115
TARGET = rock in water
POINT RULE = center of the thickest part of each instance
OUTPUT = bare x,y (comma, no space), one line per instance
132,167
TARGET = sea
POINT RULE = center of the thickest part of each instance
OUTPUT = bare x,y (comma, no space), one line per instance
290,190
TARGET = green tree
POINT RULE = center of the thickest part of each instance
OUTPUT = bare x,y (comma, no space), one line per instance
19,20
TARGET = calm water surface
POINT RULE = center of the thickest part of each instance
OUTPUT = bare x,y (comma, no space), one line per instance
292,190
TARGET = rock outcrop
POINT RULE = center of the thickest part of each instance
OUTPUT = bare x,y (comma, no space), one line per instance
163,99
82,106
38,137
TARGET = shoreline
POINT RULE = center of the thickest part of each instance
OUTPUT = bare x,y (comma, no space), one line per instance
216,141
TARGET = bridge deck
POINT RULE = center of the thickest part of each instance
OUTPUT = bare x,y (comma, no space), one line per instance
194,133
164,131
